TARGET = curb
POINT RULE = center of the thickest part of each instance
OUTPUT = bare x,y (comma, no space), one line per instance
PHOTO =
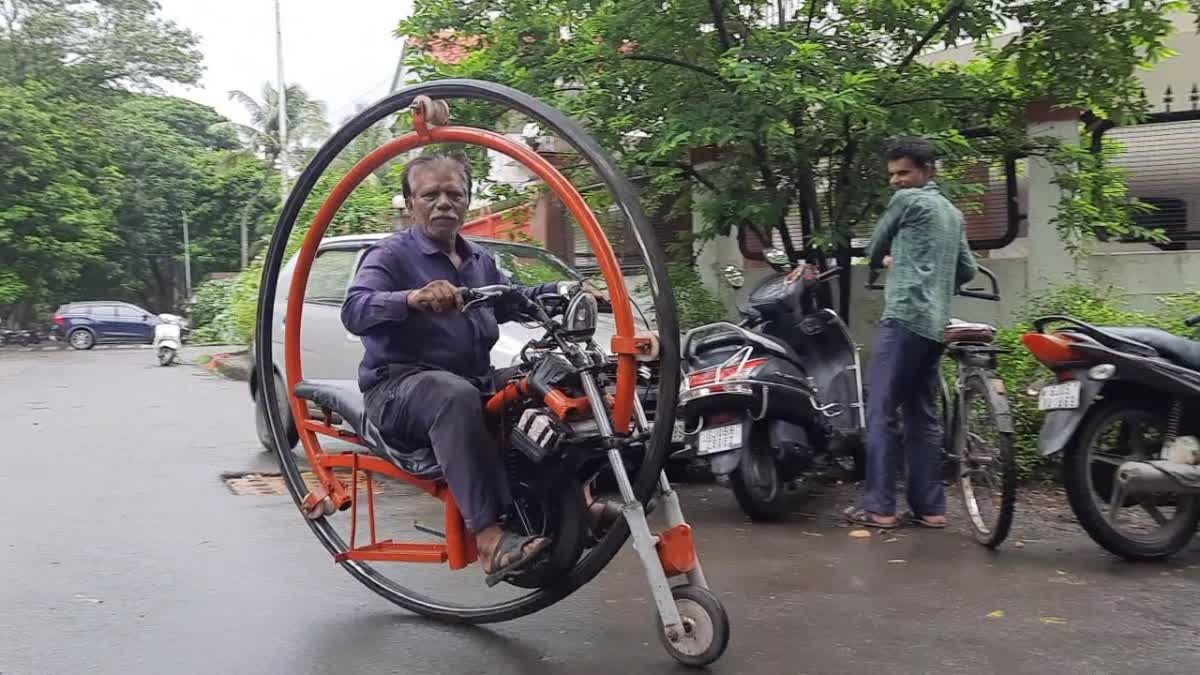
231,365
64,347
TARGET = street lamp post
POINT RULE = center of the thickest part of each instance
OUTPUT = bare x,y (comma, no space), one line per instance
282,102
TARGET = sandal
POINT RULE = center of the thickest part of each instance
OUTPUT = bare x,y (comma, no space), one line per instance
860,516
513,546
920,520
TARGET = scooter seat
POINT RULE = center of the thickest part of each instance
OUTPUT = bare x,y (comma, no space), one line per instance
344,398
1174,348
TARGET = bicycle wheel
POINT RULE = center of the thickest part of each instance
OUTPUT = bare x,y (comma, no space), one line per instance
987,471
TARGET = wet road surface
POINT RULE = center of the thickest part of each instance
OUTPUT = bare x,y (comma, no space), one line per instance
125,552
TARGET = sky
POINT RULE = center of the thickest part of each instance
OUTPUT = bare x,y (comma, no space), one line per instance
341,51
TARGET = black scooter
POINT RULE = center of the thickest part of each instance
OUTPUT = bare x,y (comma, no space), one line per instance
776,400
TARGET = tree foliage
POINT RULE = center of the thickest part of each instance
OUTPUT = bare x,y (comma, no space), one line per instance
97,171
798,97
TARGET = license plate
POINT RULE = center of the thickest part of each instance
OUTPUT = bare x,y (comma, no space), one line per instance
1063,396
720,439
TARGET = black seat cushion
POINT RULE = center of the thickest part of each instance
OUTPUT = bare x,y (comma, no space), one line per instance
1181,350
344,398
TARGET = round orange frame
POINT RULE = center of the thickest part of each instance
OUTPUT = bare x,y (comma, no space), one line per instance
459,550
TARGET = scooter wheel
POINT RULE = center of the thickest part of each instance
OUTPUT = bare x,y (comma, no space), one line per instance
705,627
166,356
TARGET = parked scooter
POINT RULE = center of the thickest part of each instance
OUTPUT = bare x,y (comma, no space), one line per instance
168,338
776,400
1125,411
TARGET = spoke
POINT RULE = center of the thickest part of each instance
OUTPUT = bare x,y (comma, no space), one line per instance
1154,513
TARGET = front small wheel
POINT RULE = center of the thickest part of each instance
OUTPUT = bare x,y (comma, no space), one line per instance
166,356
705,627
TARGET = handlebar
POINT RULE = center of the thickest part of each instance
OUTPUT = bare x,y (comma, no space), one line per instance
977,293
1192,321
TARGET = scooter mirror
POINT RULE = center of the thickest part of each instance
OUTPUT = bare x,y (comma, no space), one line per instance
734,276
776,257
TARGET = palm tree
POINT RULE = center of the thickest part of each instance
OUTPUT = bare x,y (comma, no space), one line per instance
305,122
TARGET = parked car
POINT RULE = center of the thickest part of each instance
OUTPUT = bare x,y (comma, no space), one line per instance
85,324
329,351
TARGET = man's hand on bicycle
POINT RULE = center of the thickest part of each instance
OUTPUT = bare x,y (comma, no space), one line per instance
437,296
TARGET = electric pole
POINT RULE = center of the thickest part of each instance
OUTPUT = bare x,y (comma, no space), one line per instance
187,259
282,96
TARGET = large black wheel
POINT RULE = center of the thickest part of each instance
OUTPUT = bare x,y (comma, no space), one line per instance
1114,432
625,199
987,466
262,421
705,627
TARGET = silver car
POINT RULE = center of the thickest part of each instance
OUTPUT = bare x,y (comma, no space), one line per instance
329,352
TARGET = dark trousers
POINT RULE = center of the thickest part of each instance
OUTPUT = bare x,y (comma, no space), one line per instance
904,372
440,410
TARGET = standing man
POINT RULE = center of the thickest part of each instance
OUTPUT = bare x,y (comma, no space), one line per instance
921,239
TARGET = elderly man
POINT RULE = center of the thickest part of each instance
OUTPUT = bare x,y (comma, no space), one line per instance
427,368
921,239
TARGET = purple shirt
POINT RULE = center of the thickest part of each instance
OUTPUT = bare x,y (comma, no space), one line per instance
376,308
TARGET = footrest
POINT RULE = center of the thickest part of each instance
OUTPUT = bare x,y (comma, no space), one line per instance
390,551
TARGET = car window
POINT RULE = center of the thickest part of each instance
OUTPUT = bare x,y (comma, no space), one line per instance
330,276
126,312
528,266
104,311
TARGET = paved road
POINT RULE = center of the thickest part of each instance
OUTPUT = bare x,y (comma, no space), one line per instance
124,552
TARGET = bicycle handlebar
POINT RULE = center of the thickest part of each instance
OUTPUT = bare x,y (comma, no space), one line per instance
977,293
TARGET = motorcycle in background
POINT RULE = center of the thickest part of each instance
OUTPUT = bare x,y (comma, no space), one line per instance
778,398
168,338
1123,411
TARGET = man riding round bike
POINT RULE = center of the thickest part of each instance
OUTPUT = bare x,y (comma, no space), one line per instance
426,367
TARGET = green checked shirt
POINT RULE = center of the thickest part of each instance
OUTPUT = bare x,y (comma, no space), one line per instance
924,234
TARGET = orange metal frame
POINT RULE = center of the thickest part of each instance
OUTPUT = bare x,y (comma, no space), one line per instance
459,549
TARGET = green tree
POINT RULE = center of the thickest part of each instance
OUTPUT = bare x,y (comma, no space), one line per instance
118,44
305,120
798,97
175,162
57,182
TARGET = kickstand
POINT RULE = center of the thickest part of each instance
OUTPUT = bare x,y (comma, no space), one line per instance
428,530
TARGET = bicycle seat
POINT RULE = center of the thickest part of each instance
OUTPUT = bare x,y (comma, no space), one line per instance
962,331
344,398
1174,348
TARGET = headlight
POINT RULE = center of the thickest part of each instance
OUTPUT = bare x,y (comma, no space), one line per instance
580,317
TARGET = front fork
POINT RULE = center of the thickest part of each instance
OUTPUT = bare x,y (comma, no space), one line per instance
672,550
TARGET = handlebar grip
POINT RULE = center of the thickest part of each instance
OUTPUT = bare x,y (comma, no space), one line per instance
1193,321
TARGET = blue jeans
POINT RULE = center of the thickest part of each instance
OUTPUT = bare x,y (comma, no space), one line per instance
904,372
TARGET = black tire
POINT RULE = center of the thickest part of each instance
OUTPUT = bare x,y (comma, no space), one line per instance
1080,479
166,356
1004,461
262,424
81,339
566,524
707,635
626,198
758,488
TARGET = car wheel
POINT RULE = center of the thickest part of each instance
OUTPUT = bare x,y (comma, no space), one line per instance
81,339
262,423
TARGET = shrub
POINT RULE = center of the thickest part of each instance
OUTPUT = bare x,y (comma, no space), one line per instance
211,318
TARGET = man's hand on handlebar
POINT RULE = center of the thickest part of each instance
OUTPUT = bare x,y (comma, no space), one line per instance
887,261
437,296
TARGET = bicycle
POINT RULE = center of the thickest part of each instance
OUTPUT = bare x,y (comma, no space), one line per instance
983,464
